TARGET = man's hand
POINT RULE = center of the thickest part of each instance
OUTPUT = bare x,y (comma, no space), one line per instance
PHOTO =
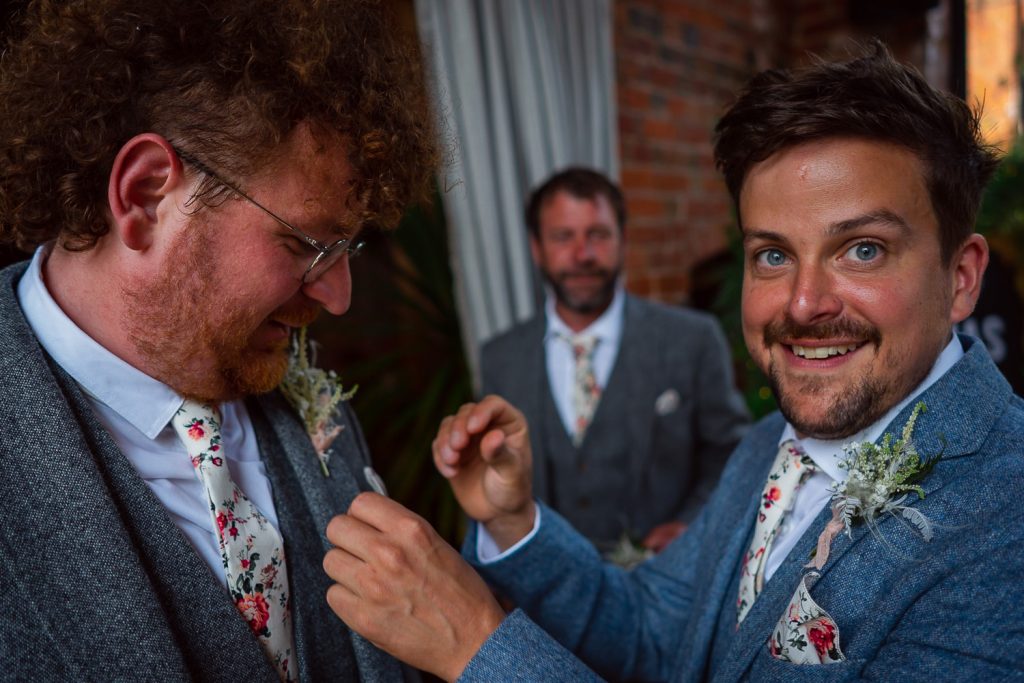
484,452
663,534
404,589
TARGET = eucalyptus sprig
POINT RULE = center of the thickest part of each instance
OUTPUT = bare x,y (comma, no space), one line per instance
881,477
315,394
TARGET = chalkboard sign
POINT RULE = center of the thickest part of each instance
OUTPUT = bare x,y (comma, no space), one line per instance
998,321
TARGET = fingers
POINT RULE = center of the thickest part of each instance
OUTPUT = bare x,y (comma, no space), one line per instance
662,535
404,589
457,436
377,537
446,458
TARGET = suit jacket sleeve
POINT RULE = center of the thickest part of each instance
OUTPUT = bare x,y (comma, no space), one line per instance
520,650
721,415
623,624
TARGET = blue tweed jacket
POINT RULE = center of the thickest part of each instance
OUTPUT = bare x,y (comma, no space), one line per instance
906,609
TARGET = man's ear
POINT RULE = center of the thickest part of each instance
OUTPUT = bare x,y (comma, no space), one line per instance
966,271
145,170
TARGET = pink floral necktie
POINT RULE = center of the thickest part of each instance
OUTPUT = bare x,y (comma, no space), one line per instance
585,391
790,470
250,547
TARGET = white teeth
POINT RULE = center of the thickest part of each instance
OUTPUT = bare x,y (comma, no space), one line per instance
822,351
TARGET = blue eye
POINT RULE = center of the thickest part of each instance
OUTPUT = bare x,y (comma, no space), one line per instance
865,251
771,257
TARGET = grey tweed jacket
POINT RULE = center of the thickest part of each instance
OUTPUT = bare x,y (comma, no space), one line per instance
97,583
666,423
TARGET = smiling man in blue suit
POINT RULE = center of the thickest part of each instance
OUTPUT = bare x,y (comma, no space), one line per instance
872,529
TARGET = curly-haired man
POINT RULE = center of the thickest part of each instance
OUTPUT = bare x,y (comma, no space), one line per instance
193,178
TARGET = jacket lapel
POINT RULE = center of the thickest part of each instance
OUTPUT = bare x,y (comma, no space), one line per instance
306,501
961,406
635,369
734,523
960,411
115,582
756,628
530,381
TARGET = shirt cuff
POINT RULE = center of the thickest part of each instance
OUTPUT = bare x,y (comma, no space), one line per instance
487,550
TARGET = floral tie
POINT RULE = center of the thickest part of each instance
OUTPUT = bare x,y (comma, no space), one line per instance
585,392
791,469
250,547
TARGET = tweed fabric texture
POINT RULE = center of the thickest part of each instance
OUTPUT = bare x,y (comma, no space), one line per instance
668,418
907,609
78,521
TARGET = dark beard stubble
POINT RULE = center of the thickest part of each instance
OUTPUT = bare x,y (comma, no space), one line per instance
856,406
595,304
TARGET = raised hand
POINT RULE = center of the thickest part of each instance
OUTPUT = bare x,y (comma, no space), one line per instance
484,452
400,586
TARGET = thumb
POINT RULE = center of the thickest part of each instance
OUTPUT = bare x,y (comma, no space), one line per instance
493,450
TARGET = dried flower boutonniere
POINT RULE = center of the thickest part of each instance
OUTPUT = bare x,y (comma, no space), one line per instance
315,394
627,553
881,477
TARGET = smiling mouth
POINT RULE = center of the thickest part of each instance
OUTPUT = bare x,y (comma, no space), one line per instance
821,352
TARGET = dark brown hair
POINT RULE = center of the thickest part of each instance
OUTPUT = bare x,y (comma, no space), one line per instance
582,183
225,79
872,97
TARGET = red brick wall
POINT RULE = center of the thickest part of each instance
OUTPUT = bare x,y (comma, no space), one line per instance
678,65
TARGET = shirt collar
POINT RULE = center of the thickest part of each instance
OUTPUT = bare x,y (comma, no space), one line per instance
144,402
828,454
607,328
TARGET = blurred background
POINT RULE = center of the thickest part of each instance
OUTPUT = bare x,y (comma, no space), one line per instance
633,88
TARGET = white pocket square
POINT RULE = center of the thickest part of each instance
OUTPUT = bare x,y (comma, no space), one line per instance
374,480
667,402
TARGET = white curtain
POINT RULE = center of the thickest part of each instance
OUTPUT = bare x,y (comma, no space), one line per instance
525,87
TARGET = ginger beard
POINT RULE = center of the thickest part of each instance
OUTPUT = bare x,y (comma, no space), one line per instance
196,333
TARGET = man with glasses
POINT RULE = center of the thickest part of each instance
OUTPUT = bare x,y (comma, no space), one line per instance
193,179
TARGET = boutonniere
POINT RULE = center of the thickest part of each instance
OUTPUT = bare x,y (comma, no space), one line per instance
315,394
627,553
880,480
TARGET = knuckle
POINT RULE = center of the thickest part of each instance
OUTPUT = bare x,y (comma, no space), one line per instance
391,558
335,598
415,529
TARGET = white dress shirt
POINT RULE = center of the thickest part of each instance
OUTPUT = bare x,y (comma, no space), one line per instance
561,363
136,409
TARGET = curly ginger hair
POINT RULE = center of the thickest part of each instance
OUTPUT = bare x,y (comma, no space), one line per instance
226,79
